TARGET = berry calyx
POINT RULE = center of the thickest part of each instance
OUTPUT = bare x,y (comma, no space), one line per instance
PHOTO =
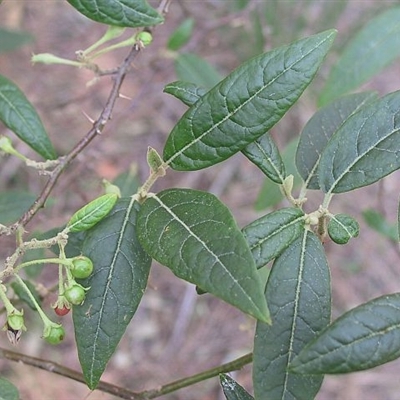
82,267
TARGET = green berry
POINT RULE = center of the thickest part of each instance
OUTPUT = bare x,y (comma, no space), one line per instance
54,334
82,267
145,37
15,320
75,294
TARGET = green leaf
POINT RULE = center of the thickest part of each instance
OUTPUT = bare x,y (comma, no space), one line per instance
18,114
270,194
377,221
342,227
7,390
21,293
121,269
92,213
269,235
245,105
265,154
192,68
187,92
125,13
194,234
11,40
13,204
362,338
319,130
373,48
298,293
364,149
232,390
128,182
181,35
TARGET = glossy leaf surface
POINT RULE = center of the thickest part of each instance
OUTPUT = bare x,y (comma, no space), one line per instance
92,213
125,13
364,149
119,279
7,390
232,390
319,130
186,92
269,235
374,47
18,114
194,234
265,154
342,227
245,105
298,294
363,338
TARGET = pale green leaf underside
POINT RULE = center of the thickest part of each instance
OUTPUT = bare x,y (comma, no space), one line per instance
374,47
245,105
125,13
319,130
298,294
195,235
364,149
363,338
121,268
186,92
7,390
264,153
232,390
269,235
18,114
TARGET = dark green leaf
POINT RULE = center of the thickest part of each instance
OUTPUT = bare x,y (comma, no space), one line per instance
126,13
269,235
363,338
7,390
195,235
13,204
11,40
264,153
245,105
128,182
20,292
377,221
342,227
181,35
192,68
298,293
18,114
121,269
92,213
374,47
319,130
187,92
364,149
270,194
232,390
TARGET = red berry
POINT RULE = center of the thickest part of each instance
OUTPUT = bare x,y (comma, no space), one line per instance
61,311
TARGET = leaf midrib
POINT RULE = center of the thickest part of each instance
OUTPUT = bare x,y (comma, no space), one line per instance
228,116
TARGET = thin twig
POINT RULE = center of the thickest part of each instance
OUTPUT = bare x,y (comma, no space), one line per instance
121,392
